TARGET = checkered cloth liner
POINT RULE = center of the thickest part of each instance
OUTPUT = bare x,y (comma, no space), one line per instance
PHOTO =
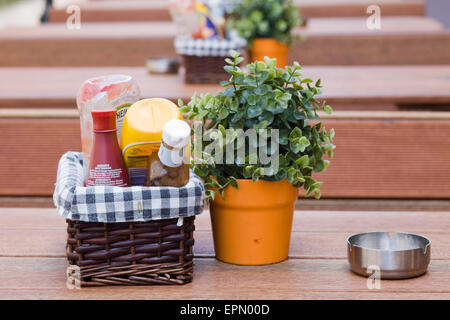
226,5
208,47
118,204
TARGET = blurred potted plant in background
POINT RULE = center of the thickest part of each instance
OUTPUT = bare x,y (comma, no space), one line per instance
252,199
267,26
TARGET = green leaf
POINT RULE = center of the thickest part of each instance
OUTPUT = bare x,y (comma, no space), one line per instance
318,83
248,171
291,172
331,133
229,92
263,89
198,171
237,116
261,76
261,125
298,115
229,69
299,144
267,117
257,174
234,54
328,109
304,142
239,60
321,165
254,111
201,114
317,193
223,113
302,161
295,133
271,63
222,130
252,100
185,109
234,182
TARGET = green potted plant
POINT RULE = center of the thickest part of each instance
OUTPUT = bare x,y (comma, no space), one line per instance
271,110
267,26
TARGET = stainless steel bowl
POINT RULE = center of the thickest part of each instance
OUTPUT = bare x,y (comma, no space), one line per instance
396,255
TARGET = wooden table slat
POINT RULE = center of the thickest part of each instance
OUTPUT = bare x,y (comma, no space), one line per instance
348,41
316,234
317,276
364,85
157,10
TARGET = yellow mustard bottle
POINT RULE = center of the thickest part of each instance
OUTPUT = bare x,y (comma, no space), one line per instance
141,134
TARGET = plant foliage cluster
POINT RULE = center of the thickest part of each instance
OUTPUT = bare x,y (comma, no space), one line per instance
265,19
263,97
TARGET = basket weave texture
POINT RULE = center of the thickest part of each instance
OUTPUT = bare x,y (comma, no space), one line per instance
206,69
139,253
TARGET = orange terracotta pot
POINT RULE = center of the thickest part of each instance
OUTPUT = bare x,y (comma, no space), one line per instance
252,225
272,48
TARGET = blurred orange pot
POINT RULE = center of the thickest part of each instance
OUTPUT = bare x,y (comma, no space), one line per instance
272,48
252,225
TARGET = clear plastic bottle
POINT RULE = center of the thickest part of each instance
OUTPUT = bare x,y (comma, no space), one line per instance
116,92
170,166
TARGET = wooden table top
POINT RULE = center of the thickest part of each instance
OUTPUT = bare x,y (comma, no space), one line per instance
57,87
167,29
33,265
328,41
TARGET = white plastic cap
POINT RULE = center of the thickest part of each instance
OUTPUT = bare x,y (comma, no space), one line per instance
176,133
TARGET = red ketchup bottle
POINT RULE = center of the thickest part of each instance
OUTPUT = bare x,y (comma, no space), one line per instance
106,167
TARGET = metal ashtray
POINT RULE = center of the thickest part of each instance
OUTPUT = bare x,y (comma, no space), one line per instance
162,65
396,255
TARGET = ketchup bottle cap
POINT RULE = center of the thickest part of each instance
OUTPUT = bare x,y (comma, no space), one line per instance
104,120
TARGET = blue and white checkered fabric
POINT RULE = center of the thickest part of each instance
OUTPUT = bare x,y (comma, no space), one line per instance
225,5
118,204
208,47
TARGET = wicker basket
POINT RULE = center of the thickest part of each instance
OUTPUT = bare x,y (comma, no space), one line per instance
138,253
204,59
126,236
206,69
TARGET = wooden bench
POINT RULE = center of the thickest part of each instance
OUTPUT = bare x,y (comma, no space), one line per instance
157,10
365,87
33,263
378,154
336,41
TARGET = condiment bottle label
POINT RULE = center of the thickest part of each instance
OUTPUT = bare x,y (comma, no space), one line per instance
171,157
120,116
104,175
